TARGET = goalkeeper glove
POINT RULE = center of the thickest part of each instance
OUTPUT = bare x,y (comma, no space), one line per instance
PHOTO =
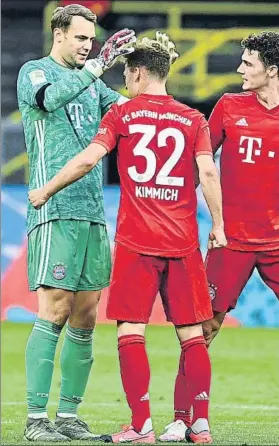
119,44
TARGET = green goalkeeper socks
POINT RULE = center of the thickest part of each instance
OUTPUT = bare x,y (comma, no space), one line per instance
40,351
76,361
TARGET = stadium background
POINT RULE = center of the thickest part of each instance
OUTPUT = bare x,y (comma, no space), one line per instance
207,34
245,360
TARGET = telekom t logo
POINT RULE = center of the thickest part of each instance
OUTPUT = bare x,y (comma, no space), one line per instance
251,147
76,112
77,115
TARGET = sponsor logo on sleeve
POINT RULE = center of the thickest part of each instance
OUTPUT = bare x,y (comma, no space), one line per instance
37,77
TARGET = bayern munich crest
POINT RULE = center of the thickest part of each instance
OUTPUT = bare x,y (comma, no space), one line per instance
59,271
212,290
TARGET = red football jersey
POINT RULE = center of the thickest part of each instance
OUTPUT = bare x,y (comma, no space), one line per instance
158,139
249,135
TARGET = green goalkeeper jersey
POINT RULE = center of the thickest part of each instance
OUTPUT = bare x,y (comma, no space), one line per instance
73,106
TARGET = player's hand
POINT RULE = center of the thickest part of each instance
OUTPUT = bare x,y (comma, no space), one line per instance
38,197
217,239
168,45
119,44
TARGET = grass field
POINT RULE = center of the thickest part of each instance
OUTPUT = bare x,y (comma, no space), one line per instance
245,390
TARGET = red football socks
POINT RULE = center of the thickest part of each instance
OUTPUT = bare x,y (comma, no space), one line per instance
197,370
182,406
135,374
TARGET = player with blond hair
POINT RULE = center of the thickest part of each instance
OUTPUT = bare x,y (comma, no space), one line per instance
157,246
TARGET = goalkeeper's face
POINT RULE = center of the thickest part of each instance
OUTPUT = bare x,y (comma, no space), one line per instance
76,43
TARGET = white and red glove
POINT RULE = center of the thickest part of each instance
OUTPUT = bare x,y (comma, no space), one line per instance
119,44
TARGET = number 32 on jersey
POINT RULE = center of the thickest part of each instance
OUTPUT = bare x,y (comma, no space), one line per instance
163,177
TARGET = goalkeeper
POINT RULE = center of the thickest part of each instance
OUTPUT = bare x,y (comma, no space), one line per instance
62,100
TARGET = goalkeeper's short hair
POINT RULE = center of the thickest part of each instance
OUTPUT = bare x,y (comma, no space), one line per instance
151,55
62,16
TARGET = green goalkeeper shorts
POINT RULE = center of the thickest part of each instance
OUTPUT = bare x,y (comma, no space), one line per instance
69,254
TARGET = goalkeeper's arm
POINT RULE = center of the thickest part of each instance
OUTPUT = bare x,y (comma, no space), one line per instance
52,96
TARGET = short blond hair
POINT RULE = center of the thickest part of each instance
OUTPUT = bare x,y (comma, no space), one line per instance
152,55
149,44
62,16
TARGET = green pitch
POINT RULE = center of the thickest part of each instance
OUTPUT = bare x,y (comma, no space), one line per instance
245,395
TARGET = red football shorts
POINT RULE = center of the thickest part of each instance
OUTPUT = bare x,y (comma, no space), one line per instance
137,278
228,271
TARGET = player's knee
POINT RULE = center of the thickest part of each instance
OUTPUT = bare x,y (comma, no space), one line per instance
84,309
61,311
84,319
185,332
54,304
129,328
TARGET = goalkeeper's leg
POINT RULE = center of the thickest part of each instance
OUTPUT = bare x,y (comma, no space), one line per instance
54,309
76,362
76,355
